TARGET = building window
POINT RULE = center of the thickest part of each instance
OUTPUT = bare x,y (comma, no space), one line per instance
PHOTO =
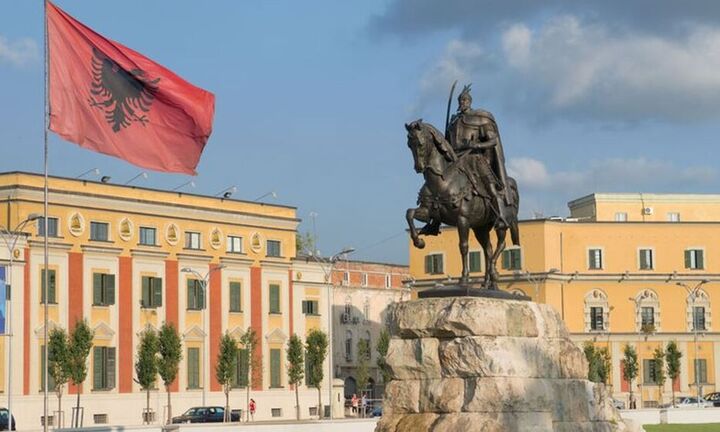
597,315
348,346
51,289
694,259
235,297
364,280
366,310
274,291
275,368
511,259
195,295
649,372
388,281
620,217
434,264
474,261
647,317
99,231
368,340
346,278
701,371
192,240
646,259
698,318
273,248
240,377
595,259
103,289
673,217
193,368
147,236
151,292
276,412
310,307
52,226
234,244
103,368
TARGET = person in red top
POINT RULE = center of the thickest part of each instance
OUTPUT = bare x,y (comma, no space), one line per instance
252,408
354,403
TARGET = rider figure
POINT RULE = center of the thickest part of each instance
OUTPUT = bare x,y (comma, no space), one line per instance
475,131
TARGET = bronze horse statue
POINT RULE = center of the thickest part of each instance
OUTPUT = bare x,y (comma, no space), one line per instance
449,197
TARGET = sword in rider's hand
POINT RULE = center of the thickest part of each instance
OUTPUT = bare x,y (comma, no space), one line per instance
447,114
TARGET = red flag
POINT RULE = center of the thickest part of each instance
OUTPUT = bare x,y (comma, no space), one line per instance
110,99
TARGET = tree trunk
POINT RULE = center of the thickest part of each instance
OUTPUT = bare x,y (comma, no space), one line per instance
77,409
169,418
320,410
227,404
147,406
297,402
247,402
59,395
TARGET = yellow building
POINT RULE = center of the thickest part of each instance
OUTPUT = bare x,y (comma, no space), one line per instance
618,270
127,258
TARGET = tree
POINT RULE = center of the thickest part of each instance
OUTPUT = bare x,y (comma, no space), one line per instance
59,361
251,366
295,367
672,357
630,366
81,342
226,367
316,345
146,365
362,371
383,344
599,364
170,350
659,359
305,243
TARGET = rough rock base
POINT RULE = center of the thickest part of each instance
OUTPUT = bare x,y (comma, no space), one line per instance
478,364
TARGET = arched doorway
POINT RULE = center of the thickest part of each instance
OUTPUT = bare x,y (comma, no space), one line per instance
350,387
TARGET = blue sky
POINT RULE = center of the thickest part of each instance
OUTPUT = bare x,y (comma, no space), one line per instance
312,96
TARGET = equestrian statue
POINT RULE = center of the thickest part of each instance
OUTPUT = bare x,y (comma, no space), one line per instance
466,185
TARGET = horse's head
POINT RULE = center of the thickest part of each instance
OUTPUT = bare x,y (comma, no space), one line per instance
425,142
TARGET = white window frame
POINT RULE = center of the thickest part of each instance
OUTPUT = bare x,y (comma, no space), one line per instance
142,227
602,257
652,257
673,216
192,235
702,300
596,298
647,298
388,277
230,244
346,278
621,216
694,258
364,279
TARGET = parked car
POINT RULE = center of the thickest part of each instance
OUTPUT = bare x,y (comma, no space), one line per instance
692,402
211,414
714,398
377,410
618,404
4,420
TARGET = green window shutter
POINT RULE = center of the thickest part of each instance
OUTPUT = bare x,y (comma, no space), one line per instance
275,368
474,261
506,260
235,305
190,294
200,295
146,289
688,260
242,367
700,259
42,367
274,298
110,289
110,368
516,264
440,267
51,288
643,259
97,288
428,264
42,287
193,368
157,291
304,307
98,364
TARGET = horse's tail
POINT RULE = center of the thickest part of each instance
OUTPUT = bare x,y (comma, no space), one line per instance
515,206
515,233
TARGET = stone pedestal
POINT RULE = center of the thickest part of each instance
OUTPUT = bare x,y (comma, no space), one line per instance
479,364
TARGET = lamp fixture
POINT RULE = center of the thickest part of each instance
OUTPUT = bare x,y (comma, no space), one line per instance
143,174
95,171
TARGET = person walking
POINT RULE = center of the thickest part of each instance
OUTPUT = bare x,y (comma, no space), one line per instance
252,408
354,403
363,405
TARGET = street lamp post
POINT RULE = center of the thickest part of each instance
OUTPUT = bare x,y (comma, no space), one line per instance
203,281
691,297
328,277
10,238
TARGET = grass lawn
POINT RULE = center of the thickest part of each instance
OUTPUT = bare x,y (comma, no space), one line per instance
715,427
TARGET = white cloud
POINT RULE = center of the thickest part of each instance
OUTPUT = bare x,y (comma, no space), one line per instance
19,52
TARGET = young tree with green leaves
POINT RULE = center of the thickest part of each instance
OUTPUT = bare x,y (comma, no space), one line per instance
251,366
630,367
305,243
146,365
672,358
383,344
599,363
170,350
81,342
226,367
362,371
659,359
316,345
295,367
59,361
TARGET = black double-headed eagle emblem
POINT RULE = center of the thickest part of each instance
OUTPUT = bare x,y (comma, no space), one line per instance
124,95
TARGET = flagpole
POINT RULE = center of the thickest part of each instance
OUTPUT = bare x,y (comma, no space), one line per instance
45,222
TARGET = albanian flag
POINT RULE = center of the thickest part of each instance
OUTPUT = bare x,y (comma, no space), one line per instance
108,98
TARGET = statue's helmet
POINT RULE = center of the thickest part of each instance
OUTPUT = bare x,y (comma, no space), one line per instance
465,93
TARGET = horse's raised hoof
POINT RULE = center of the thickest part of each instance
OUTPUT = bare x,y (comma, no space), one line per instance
419,243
